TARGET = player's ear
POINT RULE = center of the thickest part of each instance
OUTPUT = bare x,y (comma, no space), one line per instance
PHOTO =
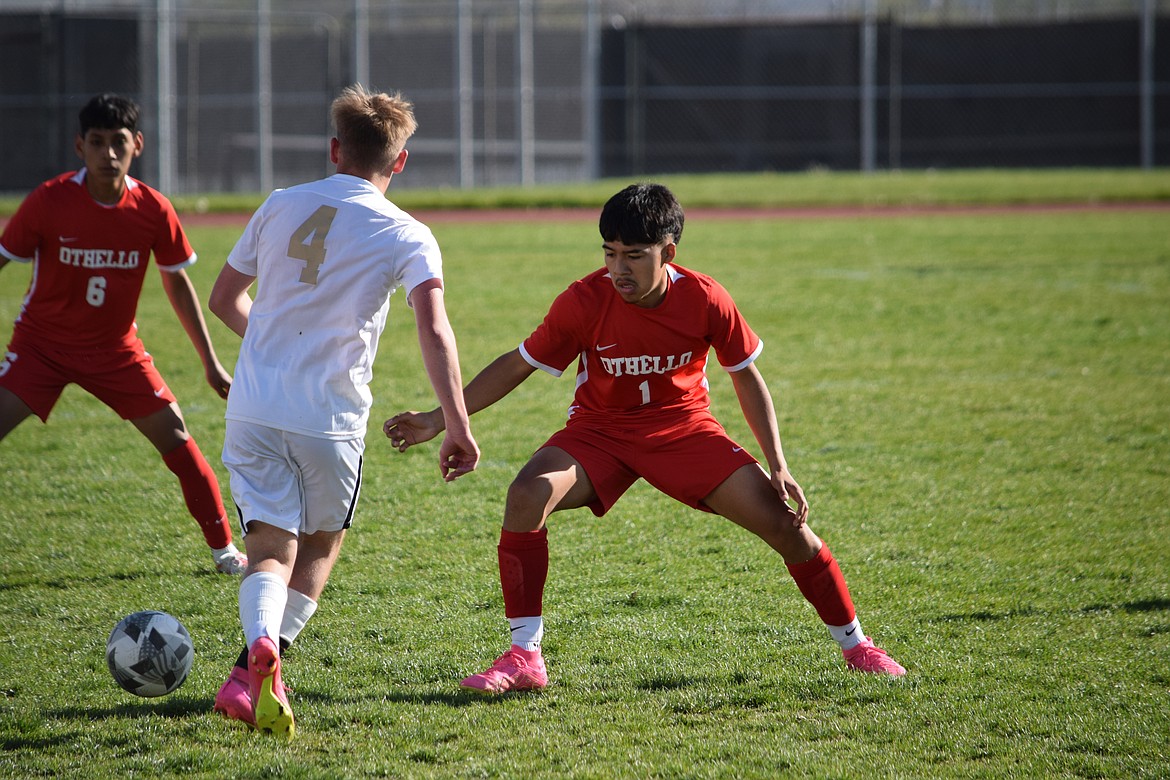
669,250
139,143
400,162
79,146
334,149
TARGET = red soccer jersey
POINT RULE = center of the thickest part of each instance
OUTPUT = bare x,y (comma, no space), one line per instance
90,259
634,362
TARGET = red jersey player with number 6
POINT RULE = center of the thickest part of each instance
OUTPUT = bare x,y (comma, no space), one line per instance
641,329
89,235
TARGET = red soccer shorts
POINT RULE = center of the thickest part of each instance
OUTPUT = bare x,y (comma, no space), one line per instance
123,378
686,460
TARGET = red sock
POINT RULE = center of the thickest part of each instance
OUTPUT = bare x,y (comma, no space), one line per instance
821,582
201,492
523,571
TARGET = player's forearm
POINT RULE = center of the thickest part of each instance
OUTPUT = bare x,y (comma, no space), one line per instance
436,341
183,300
235,314
441,361
760,413
229,300
496,380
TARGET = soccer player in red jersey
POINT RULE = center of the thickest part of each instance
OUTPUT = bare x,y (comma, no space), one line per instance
641,329
89,235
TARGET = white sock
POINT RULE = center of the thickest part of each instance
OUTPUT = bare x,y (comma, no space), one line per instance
262,599
527,631
849,636
297,611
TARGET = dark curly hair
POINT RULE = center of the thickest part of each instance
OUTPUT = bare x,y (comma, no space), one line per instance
643,213
109,112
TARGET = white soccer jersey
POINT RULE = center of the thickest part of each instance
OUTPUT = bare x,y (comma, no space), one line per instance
327,256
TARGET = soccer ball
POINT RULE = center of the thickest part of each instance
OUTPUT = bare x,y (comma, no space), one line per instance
149,653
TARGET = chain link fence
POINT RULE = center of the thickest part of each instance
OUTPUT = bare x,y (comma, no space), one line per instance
236,94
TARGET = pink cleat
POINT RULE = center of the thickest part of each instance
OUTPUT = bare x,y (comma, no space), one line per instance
234,699
270,708
867,657
515,670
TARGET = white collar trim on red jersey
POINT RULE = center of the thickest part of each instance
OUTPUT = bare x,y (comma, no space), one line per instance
79,178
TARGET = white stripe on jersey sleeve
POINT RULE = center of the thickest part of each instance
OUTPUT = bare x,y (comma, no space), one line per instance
537,364
751,359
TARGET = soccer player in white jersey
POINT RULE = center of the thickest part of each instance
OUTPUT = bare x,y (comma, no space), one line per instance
328,255
640,329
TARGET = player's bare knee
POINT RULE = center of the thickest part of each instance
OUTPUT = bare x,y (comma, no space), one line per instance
525,489
779,532
527,501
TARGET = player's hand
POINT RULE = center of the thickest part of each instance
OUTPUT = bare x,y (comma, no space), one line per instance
458,455
219,379
410,428
791,493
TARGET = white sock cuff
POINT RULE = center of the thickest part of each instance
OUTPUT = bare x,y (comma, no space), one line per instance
527,631
297,611
849,636
262,598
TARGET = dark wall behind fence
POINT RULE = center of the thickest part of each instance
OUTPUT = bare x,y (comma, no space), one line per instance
695,98
49,66
787,97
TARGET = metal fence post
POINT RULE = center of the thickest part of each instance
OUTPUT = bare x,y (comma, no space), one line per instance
635,123
361,42
868,78
526,136
264,93
894,103
1147,85
165,61
590,94
465,95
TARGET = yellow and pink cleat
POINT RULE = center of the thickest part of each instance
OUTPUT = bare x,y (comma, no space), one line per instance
270,709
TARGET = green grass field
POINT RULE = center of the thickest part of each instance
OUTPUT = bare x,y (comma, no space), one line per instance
976,405
776,190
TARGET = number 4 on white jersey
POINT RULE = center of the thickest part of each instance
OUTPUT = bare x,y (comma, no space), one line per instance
308,242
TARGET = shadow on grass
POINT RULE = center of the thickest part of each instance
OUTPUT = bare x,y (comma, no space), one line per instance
13,744
176,708
164,707
668,682
56,583
72,583
1139,606
459,698
1147,605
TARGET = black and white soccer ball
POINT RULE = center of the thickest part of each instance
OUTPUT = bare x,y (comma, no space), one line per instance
149,653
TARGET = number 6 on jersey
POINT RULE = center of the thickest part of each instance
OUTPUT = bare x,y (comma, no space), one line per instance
308,242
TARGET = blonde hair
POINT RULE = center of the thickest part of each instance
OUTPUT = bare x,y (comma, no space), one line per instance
372,128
